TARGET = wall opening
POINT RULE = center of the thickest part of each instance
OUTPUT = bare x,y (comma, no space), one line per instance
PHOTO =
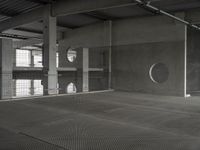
71,55
159,73
27,87
23,58
71,88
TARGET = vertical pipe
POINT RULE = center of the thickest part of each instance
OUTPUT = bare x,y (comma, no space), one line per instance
185,64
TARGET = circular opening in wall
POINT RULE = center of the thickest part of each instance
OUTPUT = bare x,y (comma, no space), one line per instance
71,55
71,88
159,73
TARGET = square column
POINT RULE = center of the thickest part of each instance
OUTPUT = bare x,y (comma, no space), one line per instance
6,67
49,54
85,69
110,55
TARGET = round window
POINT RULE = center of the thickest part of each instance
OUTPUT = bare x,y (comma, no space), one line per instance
71,88
71,55
159,73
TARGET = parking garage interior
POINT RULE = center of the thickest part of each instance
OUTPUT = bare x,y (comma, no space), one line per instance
99,75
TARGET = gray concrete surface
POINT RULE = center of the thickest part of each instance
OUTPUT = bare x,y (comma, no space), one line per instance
193,61
131,65
6,66
49,53
137,44
101,121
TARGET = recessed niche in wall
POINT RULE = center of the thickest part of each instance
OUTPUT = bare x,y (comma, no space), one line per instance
71,55
71,88
159,73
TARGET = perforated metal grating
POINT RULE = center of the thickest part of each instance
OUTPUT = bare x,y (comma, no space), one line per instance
104,121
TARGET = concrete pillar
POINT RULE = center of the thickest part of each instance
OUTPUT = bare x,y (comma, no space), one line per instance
32,87
82,70
14,88
107,58
85,69
110,55
50,71
14,57
79,72
6,66
32,59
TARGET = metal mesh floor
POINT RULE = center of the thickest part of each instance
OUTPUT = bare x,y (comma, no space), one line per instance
101,121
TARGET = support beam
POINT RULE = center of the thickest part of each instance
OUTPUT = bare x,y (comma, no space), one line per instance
34,15
99,16
24,32
6,65
23,43
38,2
62,8
70,7
49,54
32,31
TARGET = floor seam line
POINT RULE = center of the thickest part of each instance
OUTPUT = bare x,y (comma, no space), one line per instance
38,139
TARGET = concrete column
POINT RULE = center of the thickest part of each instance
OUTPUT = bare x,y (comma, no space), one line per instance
79,72
107,58
82,70
50,71
6,66
85,69
32,59
110,55
32,87
14,88
14,57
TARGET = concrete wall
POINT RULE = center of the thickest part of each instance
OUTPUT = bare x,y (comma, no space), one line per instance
140,43
131,65
136,45
98,54
193,60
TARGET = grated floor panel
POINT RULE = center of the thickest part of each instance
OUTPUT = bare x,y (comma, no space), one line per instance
101,121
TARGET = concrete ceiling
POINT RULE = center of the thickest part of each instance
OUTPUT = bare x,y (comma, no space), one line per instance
12,8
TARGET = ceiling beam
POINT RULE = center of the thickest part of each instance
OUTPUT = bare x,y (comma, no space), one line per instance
14,36
28,42
38,2
34,15
6,14
28,30
64,7
99,16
